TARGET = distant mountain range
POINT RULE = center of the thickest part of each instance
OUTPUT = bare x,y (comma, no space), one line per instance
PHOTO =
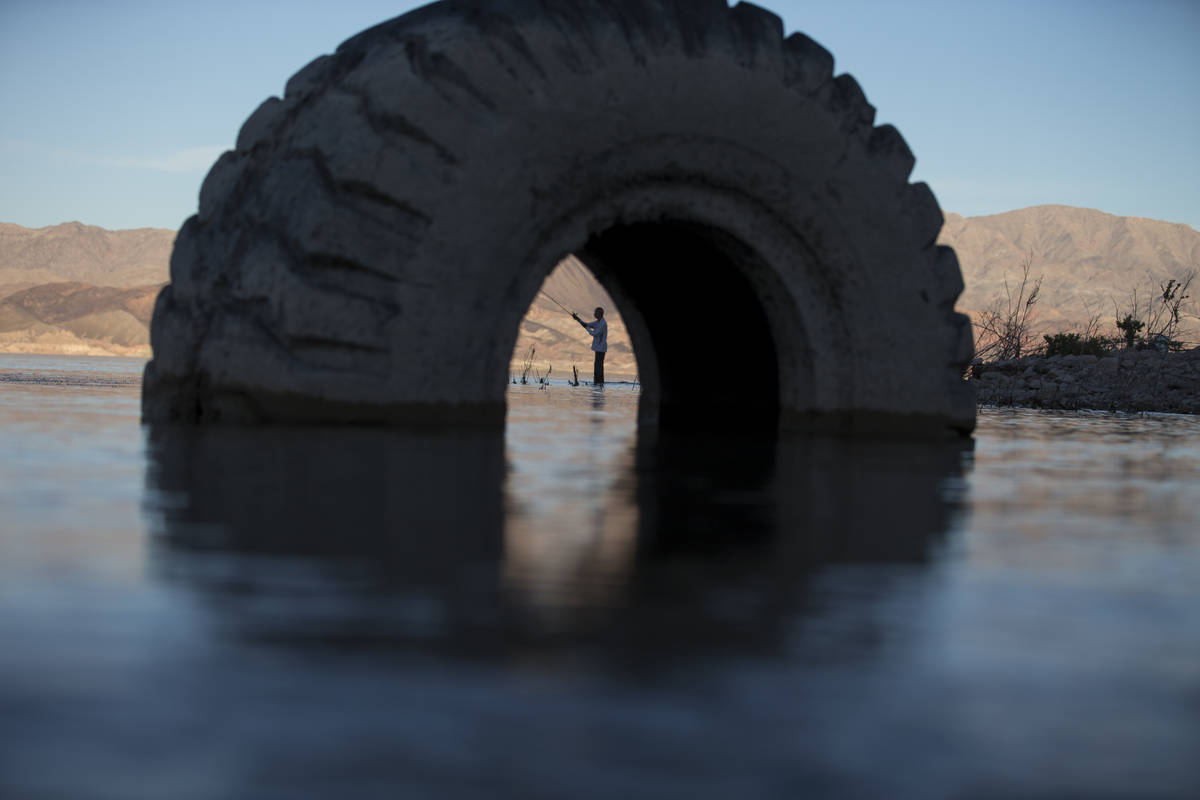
80,289
74,318
84,254
1090,262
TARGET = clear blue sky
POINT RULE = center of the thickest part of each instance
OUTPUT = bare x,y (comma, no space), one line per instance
111,111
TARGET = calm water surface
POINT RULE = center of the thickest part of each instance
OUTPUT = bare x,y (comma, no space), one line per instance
577,609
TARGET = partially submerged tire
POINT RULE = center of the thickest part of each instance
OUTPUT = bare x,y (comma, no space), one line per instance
367,252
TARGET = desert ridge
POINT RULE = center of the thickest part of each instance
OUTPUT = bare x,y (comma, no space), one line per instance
71,318
82,290
1089,261
75,289
74,252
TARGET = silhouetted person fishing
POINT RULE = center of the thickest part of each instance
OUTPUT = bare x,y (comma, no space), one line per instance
599,332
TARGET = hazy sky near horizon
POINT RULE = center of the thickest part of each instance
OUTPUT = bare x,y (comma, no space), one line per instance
112,111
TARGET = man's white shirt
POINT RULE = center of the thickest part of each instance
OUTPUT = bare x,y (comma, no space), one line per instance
599,332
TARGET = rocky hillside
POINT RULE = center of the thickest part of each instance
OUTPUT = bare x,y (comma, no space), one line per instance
1089,260
83,254
78,319
80,290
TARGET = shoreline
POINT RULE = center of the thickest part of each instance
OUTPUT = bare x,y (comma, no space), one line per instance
1127,381
81,349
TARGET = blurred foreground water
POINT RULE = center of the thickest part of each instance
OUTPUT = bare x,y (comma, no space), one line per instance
577,609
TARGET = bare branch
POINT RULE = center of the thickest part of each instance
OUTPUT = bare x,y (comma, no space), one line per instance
1005,329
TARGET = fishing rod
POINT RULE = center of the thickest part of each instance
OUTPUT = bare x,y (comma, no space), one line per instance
560,305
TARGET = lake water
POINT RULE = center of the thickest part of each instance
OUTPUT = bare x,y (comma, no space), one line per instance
577,609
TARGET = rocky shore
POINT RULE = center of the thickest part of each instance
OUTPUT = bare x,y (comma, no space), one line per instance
1129,380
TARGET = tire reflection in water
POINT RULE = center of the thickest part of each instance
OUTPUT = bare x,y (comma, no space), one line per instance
589,542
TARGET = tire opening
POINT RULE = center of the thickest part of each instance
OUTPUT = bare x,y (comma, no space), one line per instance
552,346
708,356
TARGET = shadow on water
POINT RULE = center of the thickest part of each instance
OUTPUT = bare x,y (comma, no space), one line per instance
407,540
733,528
331,535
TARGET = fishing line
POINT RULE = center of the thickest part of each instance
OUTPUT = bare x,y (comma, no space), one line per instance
560,305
